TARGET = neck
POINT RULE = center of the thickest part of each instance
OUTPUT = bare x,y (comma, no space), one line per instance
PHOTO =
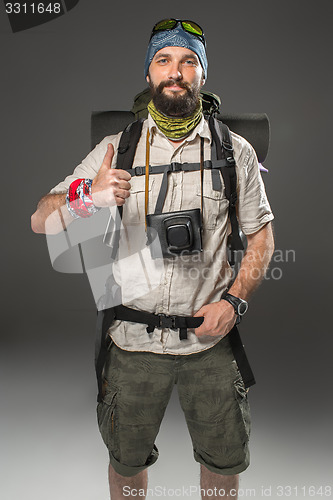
175,143
175,128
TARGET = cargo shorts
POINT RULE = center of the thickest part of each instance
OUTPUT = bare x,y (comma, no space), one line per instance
137,389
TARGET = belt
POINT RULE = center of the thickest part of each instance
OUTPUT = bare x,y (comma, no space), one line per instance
106,317
158,320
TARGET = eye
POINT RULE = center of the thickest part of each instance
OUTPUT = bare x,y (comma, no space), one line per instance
190,62
162,61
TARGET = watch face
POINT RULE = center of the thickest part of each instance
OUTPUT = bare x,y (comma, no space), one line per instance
242,308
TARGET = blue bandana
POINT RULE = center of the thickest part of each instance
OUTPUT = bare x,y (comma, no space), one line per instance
176,38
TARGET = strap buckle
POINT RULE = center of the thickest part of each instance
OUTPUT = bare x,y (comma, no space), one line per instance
231,160
139,170
175,167
167,321
227,146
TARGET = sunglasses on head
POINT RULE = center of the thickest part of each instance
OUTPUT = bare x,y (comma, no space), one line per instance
170,24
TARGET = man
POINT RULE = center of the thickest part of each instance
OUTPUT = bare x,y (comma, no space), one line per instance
142,368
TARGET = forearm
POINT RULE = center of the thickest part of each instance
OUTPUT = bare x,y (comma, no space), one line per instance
255,263
51,215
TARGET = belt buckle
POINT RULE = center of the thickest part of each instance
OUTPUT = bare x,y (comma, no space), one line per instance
167,321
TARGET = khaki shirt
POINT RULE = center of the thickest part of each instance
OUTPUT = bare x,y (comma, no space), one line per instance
182,285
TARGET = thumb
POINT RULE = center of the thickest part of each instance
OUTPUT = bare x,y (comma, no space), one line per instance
107,160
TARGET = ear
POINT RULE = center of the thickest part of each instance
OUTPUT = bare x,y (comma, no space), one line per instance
148,79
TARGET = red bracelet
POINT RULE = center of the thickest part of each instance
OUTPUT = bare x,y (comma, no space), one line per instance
79,201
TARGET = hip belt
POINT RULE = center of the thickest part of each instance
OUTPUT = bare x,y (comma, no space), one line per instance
106,317
158,320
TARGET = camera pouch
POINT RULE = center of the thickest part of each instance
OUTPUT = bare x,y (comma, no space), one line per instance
174,233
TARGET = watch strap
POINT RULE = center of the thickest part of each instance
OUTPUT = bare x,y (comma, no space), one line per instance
236,302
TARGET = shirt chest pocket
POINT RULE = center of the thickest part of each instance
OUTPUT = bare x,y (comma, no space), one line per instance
135,204
215,203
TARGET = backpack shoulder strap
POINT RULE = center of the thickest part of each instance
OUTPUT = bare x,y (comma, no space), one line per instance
221,138
126,151
128,143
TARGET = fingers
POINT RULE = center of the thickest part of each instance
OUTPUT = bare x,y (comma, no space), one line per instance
121,184
201,330
121,193
123,175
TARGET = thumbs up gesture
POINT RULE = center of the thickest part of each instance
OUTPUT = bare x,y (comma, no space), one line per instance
111,185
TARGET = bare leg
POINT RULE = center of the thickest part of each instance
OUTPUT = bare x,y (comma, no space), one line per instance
220,486
120,485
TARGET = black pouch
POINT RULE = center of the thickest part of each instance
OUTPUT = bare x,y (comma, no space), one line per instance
174,233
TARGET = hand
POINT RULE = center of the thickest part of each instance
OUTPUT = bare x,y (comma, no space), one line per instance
110,186
219,318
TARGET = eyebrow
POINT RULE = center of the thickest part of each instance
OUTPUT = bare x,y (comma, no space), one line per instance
186,56
163,55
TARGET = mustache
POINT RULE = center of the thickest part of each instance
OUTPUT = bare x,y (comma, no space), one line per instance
171,82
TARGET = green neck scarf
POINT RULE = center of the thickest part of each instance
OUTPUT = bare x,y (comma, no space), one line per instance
174,127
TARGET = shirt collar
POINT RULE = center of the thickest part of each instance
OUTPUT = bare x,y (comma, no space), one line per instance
202,129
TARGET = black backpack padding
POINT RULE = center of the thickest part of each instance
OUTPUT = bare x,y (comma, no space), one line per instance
254,127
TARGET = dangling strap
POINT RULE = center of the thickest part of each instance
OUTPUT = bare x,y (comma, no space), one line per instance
102,343
240,357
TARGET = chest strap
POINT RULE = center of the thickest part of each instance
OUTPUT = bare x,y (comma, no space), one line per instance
182,167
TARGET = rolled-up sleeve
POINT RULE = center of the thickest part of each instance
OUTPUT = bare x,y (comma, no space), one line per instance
253,208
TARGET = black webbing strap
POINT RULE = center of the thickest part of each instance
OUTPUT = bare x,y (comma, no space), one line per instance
107,316
128,143
172,168
240,357
177,167
224,151
215,172
102,343
163,191
125,157
158,320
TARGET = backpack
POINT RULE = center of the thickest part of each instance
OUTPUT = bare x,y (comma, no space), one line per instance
221,140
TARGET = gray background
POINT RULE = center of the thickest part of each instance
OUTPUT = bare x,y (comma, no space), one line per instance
272,57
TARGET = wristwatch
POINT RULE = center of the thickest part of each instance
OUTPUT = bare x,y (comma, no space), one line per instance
240,305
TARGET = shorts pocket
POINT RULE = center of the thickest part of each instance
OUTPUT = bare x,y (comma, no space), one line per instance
107,418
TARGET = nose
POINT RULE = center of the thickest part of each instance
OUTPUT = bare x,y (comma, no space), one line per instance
175,71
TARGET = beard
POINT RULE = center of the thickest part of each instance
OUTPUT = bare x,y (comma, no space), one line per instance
182,105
